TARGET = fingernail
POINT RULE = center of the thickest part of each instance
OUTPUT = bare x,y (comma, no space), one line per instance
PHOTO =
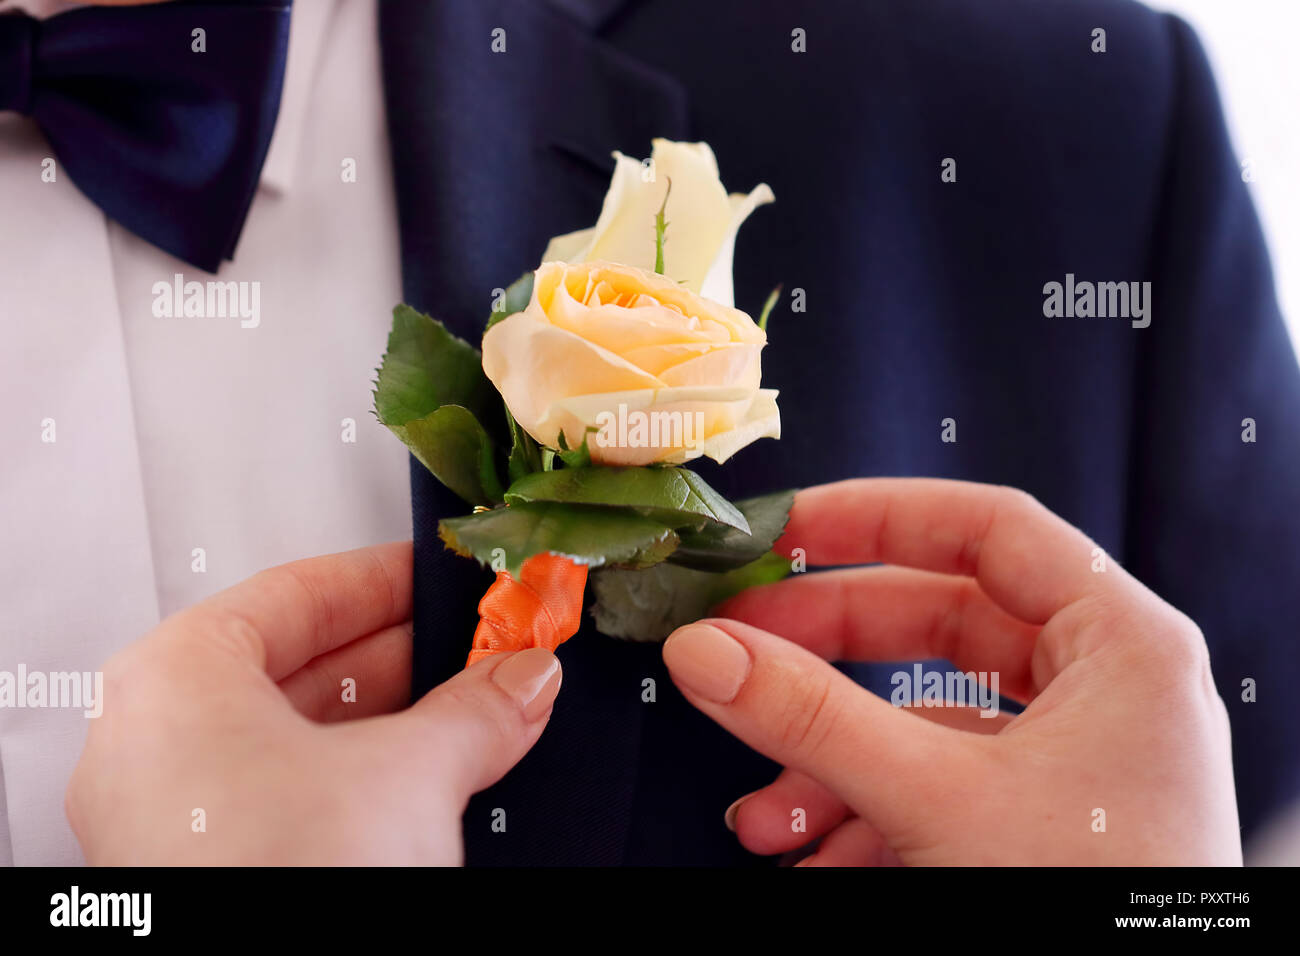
729,817
707,661
532,678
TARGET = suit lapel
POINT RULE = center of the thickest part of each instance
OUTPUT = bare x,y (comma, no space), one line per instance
495,152
502,117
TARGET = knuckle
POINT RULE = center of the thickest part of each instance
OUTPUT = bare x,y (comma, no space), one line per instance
379,580
1018,501
1181,646
1169,637
949,622
809,714
1169,646
1179,660
230,631
488,707
291,577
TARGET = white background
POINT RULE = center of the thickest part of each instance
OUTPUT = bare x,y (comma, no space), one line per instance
1254,47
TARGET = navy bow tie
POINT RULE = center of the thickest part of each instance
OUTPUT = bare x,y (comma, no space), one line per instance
161,114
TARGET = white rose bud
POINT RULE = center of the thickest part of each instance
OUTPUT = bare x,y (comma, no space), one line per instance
703,220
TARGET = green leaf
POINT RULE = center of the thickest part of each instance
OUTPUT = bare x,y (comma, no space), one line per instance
506,537
432,394
526,455
453,445
714,548
579,457
516,299
649,605
427,367
673,496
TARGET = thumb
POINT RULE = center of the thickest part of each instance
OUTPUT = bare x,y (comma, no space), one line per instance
483,720
890,766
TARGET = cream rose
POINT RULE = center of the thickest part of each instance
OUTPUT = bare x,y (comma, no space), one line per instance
662,373
662,365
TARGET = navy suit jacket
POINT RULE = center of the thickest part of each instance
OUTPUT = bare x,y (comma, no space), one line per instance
925,301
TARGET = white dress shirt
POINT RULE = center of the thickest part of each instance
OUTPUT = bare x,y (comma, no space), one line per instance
172,435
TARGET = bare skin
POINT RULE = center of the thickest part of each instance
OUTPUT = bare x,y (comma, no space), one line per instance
1123,715
236,707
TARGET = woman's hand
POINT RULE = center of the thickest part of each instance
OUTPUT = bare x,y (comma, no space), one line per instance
228,735
1123,729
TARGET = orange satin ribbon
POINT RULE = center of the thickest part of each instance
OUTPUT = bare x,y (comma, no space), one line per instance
542,608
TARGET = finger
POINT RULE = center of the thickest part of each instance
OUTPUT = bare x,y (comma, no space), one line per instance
480,723
894,614
853,843
284,617
795,809
800,711
1026,559
368,677
971,720
788,813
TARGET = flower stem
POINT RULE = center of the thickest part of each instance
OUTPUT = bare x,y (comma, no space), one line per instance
660,228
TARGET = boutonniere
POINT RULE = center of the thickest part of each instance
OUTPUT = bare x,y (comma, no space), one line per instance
602,375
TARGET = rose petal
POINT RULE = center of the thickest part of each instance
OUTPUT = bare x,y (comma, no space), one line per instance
736,364
562,290
692,414
699,212
533,364
717,281
569,247
763,421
